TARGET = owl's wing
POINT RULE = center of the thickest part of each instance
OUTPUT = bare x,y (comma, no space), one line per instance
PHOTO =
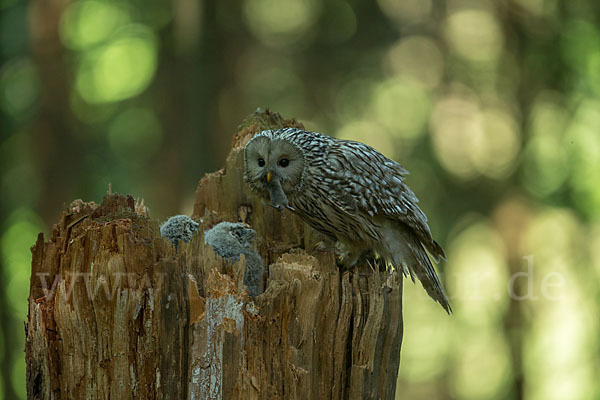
374,184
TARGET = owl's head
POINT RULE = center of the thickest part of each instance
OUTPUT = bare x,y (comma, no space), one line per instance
273,164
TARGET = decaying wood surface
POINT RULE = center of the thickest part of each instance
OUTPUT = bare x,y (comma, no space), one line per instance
115,312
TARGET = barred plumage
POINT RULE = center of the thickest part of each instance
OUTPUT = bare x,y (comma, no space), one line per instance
351,193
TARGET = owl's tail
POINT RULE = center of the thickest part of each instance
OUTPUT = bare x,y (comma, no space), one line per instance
404,250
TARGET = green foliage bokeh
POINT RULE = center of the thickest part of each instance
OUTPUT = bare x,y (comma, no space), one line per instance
494,107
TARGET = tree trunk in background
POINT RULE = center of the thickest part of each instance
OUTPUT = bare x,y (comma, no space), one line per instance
116,312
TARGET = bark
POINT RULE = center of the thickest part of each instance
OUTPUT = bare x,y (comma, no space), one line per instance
116,312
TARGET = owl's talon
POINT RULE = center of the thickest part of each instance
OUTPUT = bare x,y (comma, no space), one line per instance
320,246
342,261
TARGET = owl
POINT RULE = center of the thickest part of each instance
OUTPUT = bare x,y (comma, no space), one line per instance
232,239
179,227
352,194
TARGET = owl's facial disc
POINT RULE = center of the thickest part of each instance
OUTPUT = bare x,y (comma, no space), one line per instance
273,168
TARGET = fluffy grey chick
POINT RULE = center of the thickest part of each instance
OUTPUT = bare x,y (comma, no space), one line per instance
179,227
229,240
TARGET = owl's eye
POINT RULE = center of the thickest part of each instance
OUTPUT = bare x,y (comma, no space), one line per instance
284,162
261,162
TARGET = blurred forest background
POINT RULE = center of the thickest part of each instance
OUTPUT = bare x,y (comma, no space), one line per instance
494,106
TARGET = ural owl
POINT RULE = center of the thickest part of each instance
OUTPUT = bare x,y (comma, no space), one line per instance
179,227
232,239
351,193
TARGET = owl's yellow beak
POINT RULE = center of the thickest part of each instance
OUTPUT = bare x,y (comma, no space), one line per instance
268,176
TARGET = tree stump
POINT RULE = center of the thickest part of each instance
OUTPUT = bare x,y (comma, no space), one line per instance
116,312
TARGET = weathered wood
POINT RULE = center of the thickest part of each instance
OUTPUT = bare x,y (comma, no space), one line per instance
116,312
